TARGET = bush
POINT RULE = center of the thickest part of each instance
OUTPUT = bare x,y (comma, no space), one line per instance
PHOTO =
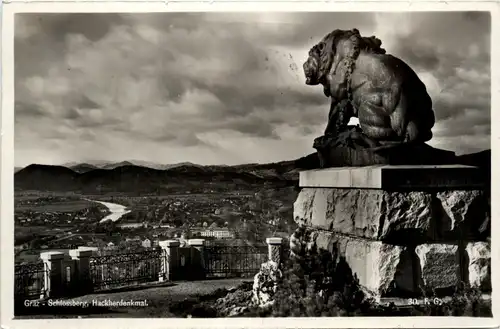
318,284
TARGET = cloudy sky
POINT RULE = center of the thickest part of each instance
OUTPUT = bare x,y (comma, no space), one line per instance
222,88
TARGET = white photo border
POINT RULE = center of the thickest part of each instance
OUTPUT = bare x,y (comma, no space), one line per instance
7,160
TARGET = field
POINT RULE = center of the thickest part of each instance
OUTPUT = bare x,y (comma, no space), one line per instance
41,219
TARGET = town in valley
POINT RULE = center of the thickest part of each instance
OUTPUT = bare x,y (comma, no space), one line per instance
60,219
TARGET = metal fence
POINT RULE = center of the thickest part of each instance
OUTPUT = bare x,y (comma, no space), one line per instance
126,269
234,261
30,280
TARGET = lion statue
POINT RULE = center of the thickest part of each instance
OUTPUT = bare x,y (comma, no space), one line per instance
385,94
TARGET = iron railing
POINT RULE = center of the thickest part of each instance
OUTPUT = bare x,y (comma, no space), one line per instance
234,261
126,269
109,271
30,280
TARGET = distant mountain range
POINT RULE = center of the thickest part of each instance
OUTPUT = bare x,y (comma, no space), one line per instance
147,177
91,165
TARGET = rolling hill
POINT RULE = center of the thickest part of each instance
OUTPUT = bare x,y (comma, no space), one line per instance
50,178
480,159
132,178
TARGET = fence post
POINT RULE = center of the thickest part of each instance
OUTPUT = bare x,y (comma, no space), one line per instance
169,260
83,281
274,249
101,272
197,258
53,276
92,249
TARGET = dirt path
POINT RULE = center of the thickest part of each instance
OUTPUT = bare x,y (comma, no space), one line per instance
180,289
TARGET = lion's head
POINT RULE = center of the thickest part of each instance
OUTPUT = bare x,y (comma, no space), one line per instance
337,45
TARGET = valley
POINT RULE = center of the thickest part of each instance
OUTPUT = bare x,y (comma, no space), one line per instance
56,207
61,207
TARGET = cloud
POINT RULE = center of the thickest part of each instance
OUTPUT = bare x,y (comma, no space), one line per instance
450,51
218,88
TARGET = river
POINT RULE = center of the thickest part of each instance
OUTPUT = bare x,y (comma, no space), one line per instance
117,211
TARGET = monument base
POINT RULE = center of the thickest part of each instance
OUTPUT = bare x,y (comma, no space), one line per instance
387,270
431,234
393,178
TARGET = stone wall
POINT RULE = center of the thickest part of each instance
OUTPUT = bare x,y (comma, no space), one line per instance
400,241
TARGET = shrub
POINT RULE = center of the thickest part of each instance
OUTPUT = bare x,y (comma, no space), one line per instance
191,307
318,283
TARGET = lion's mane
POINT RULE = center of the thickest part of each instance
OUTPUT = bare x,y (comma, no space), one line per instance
367,44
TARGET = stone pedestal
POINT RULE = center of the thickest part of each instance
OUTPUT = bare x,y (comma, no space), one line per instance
478,257
381,268
54,278
81,258
390,177
399,228
197,259
170,260
331,154
439,266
